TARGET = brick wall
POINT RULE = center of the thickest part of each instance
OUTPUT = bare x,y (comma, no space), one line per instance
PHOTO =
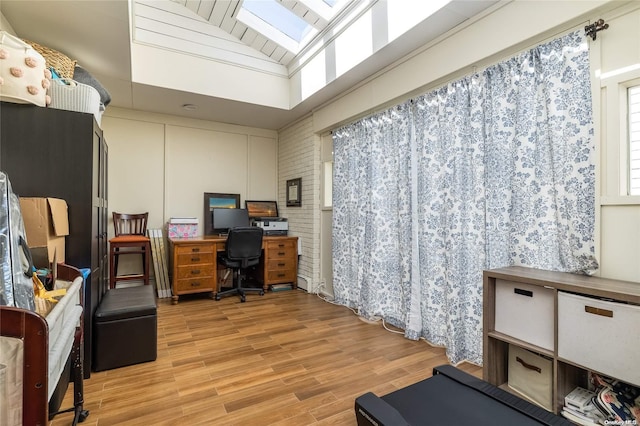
299,157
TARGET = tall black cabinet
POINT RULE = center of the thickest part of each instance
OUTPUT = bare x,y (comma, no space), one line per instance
55,153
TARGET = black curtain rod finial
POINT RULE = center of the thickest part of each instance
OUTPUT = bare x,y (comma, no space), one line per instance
592,29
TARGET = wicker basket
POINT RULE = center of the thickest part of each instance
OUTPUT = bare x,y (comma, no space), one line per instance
60,62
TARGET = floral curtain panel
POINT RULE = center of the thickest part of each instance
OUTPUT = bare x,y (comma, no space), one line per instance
492,170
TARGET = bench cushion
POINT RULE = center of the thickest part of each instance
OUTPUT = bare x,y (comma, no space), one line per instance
126,302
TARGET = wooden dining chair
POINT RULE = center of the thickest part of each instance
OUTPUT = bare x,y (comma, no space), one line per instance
130,238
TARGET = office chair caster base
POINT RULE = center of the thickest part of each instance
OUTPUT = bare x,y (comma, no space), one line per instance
82,416
217,297
243,298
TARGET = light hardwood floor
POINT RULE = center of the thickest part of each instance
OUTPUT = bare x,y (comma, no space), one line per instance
287,358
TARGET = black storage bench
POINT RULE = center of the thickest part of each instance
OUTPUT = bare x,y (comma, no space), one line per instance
125,328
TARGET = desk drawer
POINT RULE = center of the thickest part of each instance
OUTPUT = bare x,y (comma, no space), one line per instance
195,258
194,285
280,254
280,264
195,248
195,271
280,249
284,276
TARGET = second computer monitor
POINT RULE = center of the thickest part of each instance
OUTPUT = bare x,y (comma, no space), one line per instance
225,219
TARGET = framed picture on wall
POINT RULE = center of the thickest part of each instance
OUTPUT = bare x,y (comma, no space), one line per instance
216,200
294,192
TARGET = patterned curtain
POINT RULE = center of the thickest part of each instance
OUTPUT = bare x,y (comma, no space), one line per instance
495,169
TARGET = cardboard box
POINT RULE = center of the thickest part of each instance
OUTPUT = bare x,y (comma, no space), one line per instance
182,227
46,222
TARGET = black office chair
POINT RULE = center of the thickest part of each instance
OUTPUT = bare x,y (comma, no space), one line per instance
243,249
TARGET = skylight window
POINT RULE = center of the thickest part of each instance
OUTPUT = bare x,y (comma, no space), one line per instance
279,24
279,17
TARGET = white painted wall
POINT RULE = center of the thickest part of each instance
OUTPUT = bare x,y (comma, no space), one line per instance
326,216
616,64
164,164
5,25
218,64
209,78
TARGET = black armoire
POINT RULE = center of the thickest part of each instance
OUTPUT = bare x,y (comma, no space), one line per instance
56,153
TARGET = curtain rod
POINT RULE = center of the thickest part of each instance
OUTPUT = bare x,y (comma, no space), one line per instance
592,30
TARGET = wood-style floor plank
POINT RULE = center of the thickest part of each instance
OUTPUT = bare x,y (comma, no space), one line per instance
286,359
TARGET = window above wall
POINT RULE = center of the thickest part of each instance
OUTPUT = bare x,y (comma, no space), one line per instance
290,27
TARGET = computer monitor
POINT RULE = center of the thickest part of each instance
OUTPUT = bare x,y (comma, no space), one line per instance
224,219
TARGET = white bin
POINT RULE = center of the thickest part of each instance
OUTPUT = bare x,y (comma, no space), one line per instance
73,96
525,312
531,375
600,335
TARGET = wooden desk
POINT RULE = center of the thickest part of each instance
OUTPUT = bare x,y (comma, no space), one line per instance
194,263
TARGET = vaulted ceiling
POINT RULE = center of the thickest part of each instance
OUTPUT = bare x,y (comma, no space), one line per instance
101,35
224,15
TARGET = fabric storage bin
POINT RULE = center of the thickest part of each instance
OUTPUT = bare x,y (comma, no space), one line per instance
525,312
586,324
531,375
181,227
23,75
73,96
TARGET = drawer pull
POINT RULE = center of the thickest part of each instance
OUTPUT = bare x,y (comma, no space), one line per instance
281,275
281,253
280,245
195,284
598,311
195,271
195,259
281,264
522,292
528,366
195,250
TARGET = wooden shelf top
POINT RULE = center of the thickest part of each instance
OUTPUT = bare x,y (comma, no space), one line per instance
627,291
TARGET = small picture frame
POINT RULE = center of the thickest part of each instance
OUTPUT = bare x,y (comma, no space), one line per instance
294,192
